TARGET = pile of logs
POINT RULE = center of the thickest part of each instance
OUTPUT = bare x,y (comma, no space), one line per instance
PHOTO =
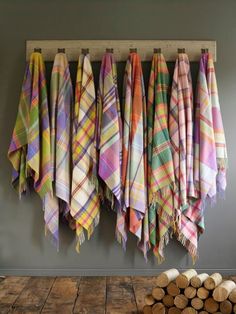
191,293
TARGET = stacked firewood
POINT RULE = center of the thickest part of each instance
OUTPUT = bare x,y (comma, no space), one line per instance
191,293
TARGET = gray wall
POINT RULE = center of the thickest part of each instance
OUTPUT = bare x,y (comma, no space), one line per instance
23,247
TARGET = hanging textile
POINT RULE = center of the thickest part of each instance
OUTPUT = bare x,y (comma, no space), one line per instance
181,134
134,172
109,138
160,163
60,115
29,151
85,204
210,158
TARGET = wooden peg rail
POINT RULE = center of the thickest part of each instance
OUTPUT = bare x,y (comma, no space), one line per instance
121,48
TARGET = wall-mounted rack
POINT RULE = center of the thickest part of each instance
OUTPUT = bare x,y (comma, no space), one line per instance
121,48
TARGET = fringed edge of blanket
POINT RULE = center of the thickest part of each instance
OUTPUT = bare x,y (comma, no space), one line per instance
188,245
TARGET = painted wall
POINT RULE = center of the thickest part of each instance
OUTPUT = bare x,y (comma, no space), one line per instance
23,246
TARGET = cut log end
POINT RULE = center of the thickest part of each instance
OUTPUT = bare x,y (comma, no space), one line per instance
226,307
158,308
172,289
222,292
158,293
212,281
211,306
181,301
166,277
147,309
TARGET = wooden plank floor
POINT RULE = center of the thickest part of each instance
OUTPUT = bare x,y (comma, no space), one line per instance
85,295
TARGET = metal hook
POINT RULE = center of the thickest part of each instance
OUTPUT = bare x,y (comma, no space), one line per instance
37,50
61,50
111,50
205,50
84,51
181,50
157,50
132,50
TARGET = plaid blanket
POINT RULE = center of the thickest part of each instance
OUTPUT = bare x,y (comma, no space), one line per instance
160,163
60,114
210,159
181,134
134,172
29,151
110,138
85,205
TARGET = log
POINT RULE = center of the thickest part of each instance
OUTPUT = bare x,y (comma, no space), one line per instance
183,280
198,280
166,277
172,289
180,301
147,309
158,308
158,293
168,300
197,303
212,281
149,300
202,293
174,310
210,305
190,292
232,296
222,292
226,307
203,312
234,309
189,310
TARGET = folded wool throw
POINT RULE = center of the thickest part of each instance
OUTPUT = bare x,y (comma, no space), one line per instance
85,204
60,117
210,159
160,163
134,163
29,151
181,134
